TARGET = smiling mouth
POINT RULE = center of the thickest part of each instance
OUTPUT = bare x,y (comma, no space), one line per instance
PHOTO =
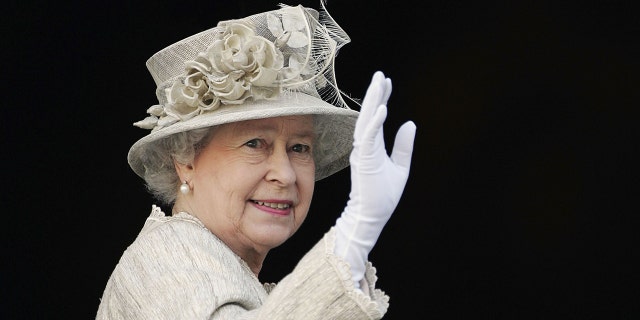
273,205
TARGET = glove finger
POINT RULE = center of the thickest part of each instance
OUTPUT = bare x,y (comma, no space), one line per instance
376,89
373,136
376,92
403,145
387,91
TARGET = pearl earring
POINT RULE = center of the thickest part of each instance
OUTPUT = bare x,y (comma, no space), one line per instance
184,188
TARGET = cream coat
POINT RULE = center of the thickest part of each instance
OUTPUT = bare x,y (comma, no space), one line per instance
177,269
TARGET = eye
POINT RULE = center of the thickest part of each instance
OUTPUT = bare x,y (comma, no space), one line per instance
301,148
254,143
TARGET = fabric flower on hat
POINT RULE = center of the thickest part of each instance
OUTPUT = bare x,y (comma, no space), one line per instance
237,66
291,30
234,68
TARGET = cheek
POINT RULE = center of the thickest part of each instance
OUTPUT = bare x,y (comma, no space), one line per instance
224,178
236,181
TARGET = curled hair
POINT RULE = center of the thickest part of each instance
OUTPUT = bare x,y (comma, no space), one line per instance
160,176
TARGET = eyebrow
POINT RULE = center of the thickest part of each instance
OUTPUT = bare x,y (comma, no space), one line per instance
271,128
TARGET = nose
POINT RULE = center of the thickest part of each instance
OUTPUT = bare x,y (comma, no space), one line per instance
280,168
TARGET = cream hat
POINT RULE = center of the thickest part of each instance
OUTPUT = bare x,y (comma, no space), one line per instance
270,64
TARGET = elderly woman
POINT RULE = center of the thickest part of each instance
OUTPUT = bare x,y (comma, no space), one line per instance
249,118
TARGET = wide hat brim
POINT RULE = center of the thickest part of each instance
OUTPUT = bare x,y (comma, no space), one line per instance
335,127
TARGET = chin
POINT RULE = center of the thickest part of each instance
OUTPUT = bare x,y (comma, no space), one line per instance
273,236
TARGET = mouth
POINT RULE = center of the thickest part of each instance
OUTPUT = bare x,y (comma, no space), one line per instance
273,205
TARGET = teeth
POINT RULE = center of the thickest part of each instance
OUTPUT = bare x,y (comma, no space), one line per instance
273,205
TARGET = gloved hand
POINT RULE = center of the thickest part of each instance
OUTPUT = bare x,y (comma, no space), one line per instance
377,180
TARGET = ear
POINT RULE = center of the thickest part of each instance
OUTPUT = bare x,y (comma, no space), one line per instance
185,171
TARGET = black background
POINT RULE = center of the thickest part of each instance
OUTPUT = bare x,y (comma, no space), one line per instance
522,197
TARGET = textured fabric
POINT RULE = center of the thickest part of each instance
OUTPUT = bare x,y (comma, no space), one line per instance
177,269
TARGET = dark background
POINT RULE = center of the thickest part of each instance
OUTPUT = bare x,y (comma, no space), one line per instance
522,200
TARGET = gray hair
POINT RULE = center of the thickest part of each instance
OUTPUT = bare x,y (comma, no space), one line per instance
160,176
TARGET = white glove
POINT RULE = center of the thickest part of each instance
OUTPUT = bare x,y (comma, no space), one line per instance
377,180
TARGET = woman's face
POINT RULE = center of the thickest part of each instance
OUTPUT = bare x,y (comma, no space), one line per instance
253,183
